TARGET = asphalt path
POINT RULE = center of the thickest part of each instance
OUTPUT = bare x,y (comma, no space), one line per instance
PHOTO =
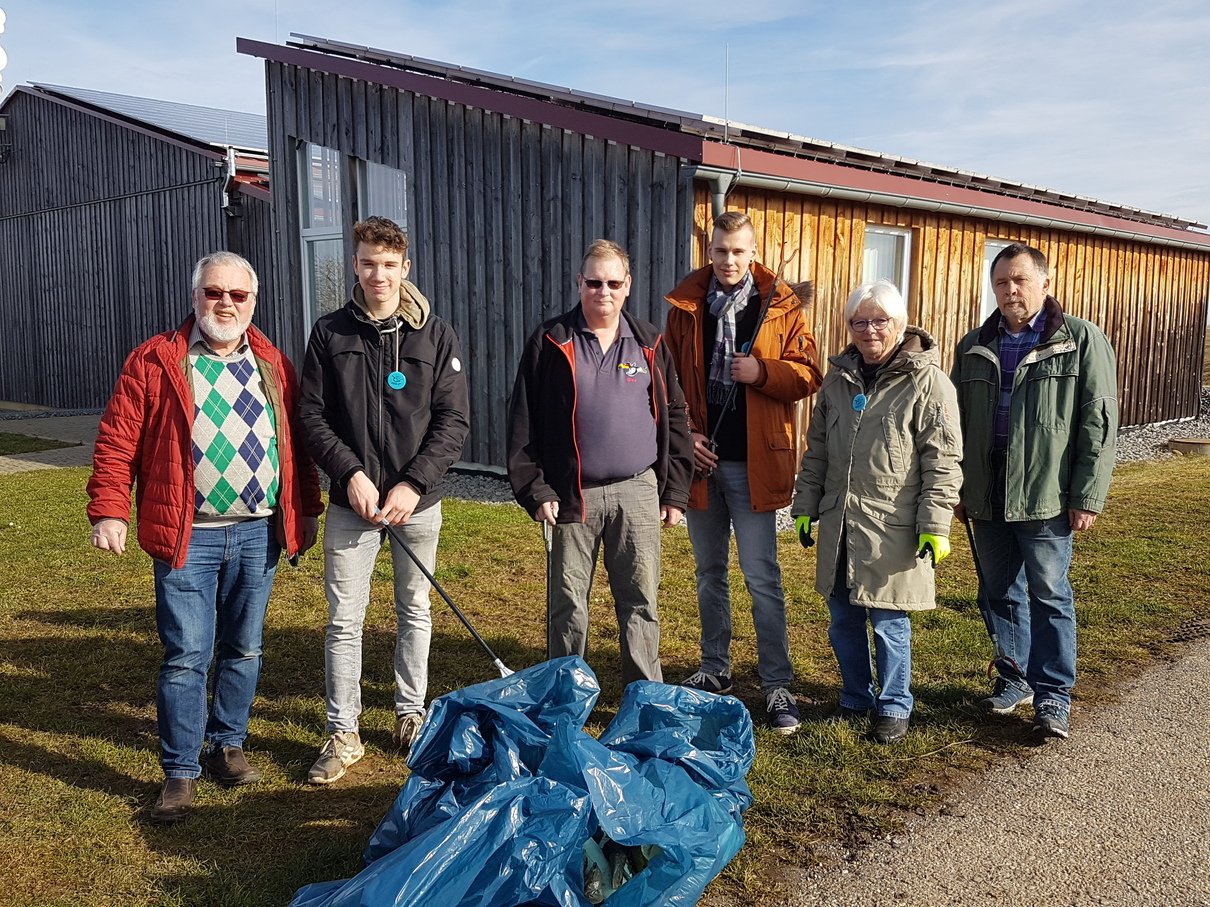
1118,814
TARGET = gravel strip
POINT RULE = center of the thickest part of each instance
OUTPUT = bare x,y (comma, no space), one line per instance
1116,816
1147,442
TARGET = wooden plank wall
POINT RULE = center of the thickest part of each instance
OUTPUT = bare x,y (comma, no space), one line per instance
100,227
1151,301
251,235
501,211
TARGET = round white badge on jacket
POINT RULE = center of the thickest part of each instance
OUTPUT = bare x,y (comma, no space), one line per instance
456,364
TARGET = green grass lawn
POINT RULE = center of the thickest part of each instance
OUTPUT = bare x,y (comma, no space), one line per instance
11,443
79,655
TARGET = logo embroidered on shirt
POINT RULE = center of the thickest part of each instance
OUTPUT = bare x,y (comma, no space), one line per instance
630,369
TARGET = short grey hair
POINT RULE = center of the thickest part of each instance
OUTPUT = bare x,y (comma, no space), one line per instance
224,258
887,297
1016,250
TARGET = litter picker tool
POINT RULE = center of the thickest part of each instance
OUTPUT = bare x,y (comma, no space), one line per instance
985,608
398,537
548,539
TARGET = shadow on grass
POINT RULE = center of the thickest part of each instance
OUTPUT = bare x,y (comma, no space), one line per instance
231,833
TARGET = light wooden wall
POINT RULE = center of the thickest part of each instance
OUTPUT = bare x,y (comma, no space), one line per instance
1151,301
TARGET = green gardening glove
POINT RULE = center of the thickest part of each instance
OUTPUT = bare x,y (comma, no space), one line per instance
939,545
803,525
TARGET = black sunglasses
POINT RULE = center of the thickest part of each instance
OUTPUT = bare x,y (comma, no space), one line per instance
596,284
214,294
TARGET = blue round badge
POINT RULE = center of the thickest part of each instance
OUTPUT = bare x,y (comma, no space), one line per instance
396,380
859,402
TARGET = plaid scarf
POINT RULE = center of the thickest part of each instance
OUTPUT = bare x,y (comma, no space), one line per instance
725,306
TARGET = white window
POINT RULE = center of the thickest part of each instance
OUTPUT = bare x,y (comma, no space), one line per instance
322,220
991,248
382,192
324,175
887,256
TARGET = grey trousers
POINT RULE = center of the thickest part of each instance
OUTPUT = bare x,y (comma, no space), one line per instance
625,518
351,547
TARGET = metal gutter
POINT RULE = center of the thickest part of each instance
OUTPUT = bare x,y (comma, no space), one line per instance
720,176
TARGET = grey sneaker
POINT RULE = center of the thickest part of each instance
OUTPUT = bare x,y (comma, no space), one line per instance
708,683
1050,720
342,750
782,711
1006,697
407,729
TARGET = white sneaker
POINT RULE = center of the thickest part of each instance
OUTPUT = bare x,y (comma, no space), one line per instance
342,750
407,729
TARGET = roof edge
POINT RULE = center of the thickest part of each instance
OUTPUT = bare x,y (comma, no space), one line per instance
825,178
615,128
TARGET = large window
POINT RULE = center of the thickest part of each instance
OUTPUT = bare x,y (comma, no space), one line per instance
382,191
322,220
324,181
991,248
887,256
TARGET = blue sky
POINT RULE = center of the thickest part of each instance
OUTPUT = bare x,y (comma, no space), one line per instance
1108,99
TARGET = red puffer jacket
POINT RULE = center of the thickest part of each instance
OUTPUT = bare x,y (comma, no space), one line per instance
145,437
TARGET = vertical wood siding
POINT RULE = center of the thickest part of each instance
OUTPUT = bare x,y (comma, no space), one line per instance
1151,301
500,211
100,227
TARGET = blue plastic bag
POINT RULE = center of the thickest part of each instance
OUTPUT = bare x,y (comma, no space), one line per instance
506,788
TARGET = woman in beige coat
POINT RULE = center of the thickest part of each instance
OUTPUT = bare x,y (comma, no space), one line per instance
879,479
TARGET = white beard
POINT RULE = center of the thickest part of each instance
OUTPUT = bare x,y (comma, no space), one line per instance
222,331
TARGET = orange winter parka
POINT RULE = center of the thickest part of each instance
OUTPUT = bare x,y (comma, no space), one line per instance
145,437
789,372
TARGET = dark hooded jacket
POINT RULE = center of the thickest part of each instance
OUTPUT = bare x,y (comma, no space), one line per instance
354,420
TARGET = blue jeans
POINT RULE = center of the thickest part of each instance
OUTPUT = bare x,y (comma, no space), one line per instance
730,505
211,608
351,547
1030,600
892,649
625,518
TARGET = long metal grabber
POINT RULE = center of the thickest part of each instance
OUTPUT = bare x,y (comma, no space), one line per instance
398,537
984,607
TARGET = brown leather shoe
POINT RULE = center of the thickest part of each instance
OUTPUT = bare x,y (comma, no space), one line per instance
229,767
176,800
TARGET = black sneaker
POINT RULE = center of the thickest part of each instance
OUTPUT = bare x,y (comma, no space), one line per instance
708,683
1050,720
844,713
889,729
782,711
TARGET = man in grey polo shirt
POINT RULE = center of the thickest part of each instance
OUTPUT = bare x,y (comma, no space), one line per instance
599,448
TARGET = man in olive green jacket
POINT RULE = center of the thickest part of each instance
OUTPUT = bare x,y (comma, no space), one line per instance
1037,393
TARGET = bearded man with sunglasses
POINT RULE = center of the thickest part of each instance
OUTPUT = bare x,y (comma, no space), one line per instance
204,421
599,450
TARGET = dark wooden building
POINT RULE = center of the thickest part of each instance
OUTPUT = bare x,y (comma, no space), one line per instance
501,183
106,204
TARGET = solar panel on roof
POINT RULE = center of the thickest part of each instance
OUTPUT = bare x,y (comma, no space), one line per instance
211,125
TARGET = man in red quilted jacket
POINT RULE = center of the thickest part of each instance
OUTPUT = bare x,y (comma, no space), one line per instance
204,420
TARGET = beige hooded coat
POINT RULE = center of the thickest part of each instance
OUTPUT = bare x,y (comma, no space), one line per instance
882,475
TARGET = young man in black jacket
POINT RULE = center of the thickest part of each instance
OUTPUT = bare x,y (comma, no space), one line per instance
384,405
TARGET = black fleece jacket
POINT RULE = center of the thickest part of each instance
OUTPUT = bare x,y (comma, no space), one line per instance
543,457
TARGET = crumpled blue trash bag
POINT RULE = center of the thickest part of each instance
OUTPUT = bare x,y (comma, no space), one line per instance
506,787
